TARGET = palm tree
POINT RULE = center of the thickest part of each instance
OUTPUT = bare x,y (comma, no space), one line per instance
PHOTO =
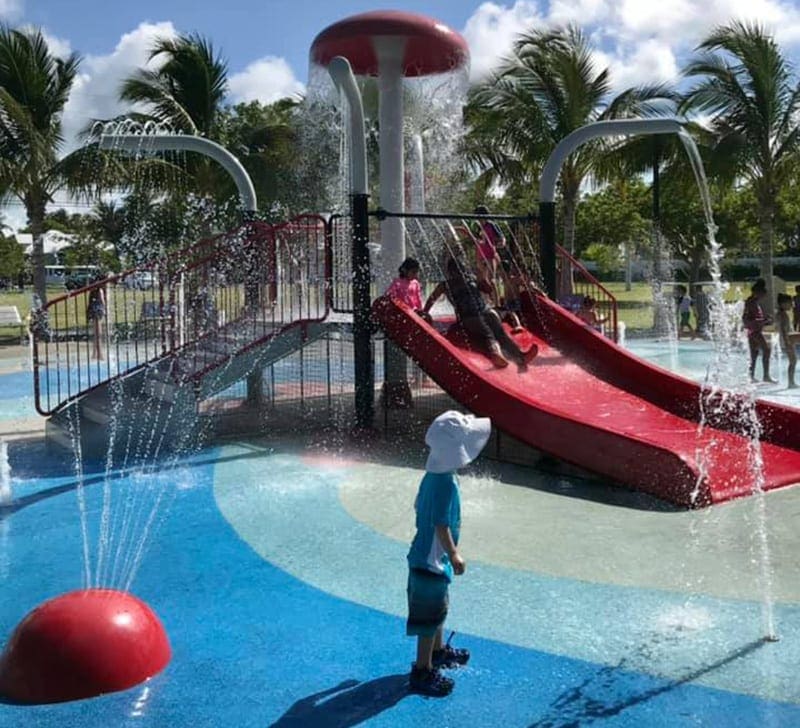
186,92
747,85
34,88
107,220
262,137
187,89
547,88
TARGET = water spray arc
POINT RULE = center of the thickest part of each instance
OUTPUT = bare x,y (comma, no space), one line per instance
138,143
107,639
390,46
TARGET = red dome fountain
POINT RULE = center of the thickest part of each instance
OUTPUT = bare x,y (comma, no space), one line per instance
429,46
80,645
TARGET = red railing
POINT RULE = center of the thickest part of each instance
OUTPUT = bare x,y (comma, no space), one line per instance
575,283
196,308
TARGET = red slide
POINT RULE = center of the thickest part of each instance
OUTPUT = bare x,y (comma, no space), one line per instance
589,402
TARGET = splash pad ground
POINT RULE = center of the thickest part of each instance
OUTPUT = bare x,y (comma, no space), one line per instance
582,603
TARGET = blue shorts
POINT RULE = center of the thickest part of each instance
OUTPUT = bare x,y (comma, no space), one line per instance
428,601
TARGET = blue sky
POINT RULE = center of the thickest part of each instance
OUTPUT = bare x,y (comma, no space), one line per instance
266,42
244,29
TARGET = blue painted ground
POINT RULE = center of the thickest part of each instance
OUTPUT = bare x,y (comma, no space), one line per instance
16,395
254,646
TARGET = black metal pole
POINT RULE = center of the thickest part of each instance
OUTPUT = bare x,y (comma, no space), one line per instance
656,182
547,232
657,209
362,334
255,379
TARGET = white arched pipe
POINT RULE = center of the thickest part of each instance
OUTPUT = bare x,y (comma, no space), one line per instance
342,75
620,127
187,142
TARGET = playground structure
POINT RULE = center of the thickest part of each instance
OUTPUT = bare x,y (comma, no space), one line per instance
239,305
289,308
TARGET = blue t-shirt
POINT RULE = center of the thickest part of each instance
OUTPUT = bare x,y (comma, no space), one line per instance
438,504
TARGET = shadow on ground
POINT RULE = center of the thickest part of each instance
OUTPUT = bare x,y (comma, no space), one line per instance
607,693
348,704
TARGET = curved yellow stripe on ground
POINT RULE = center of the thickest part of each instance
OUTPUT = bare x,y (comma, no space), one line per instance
562,533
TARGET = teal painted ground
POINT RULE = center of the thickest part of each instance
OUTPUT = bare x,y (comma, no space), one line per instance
254,646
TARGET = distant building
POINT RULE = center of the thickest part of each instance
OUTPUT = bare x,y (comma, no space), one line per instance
54,242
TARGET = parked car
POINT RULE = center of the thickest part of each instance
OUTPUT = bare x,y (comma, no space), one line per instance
71,277
78,280
141,280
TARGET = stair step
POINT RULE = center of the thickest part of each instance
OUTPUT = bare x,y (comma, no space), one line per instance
97,412
161,389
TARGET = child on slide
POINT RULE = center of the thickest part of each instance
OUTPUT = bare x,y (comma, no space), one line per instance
406,287
481,323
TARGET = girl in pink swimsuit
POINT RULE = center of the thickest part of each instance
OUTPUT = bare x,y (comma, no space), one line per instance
490,238
406,287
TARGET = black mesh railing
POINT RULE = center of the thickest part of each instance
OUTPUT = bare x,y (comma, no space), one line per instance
198,307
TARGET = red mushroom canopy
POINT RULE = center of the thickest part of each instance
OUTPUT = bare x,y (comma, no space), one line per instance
431,47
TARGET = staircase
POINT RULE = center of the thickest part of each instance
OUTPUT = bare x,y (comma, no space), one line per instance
218,312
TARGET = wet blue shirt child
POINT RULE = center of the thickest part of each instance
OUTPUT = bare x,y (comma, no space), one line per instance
455,439
438,503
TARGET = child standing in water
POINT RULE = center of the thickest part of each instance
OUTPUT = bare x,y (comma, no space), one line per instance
684,305
789,339
95,313
755,318
455,440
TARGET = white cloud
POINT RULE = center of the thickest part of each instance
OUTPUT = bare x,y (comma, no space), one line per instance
95,94
10,9
651,61
267,79
491,30
59,47
584,12
641,20
640,41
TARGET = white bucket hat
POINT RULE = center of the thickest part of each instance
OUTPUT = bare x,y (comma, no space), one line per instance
455,439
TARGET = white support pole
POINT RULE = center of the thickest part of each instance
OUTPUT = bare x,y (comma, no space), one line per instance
342,74
416,197
390,51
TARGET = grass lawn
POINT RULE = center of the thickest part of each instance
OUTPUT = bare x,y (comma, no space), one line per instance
641,316
635,316
76,310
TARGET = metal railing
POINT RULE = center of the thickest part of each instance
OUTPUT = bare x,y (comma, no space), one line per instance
433,238
576,283
193,310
